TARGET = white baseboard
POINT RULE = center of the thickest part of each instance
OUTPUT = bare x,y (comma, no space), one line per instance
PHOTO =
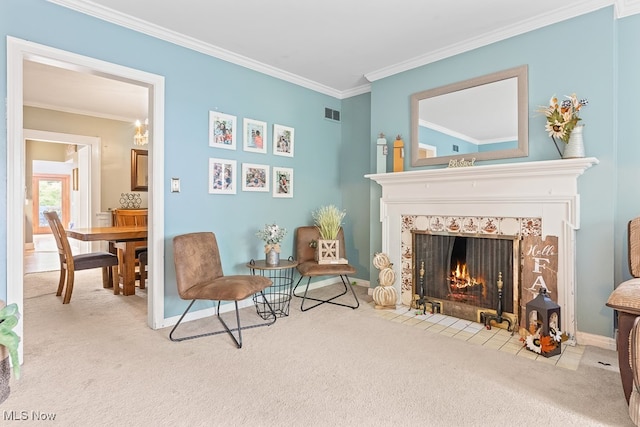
584,338
207,312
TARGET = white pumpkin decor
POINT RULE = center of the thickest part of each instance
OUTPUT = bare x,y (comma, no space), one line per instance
384,295
381,260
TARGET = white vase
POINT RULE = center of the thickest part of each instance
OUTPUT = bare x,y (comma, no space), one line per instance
575,147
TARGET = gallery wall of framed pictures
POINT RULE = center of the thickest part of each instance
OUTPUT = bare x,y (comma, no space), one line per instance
254,177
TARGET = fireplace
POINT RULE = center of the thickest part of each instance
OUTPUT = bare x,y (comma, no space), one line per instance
508,200
459,274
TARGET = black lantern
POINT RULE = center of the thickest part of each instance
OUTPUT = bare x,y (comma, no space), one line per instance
543,317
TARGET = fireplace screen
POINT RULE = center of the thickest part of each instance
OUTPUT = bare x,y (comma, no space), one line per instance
465,269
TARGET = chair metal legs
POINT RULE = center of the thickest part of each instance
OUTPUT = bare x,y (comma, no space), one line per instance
239,328
345,283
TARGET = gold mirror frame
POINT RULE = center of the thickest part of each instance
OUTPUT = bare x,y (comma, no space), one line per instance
139,170
522,150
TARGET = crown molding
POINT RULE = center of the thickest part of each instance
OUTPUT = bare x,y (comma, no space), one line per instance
365,88
79,111
627,8
623,8
106,14
492,37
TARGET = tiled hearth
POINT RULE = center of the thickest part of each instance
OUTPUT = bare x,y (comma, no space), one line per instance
475,333
545,191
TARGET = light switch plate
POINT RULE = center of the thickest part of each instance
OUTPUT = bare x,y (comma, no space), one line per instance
175,185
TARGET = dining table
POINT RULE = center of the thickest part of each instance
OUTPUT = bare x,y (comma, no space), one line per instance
125,239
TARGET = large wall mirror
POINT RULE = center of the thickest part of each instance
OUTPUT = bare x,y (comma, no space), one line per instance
483,118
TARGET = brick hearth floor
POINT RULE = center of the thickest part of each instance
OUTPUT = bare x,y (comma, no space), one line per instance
466,330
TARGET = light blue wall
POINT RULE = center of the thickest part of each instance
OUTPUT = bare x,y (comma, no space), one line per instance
354,164
627,154
600,64
195,84
508,145
578,55
444,143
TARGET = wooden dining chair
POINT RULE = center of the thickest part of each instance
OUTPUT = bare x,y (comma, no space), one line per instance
143,261
134,217
130,217
69,263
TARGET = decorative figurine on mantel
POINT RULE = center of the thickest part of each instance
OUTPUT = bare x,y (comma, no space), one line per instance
381,154
398,154
384,295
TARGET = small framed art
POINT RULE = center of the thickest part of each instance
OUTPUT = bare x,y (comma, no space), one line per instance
282,182
222,130
283,140
222,176
255,177
255,136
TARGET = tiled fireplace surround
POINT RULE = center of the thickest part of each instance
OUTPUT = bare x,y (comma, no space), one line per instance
539,198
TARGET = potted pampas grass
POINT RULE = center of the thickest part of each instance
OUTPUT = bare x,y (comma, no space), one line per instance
328,221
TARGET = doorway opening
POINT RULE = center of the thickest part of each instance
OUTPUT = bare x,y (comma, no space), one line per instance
51,192
19,51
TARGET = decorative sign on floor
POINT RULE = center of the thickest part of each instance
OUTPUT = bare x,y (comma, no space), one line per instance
539,269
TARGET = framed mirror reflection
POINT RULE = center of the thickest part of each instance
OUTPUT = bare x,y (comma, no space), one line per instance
139,170
483,118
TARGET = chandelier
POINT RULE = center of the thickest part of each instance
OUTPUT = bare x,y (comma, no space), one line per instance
142,133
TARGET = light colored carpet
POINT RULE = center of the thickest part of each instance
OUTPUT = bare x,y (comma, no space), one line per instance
94,362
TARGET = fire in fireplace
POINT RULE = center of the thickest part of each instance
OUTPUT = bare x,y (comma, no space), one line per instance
461,272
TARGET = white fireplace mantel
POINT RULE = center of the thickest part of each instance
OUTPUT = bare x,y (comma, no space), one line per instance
546,189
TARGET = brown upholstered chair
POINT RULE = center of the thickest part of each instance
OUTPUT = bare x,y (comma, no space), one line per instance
199,276
70,263
625,299
308,267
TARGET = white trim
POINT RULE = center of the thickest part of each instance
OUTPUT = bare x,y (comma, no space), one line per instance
500,34
96,185
225,308
543,189
446,131
19,50
623,8
626,8
584,338
81,111
115,17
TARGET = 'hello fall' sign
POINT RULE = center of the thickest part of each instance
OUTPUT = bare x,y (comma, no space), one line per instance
539,269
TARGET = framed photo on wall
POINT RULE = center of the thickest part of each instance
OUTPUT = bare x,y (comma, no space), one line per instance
222,130
255,177
222,176
283,140
255,136
282,182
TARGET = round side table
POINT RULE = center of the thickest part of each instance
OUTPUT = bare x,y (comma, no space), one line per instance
279,293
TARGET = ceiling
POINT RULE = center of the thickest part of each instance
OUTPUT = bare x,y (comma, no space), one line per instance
336,47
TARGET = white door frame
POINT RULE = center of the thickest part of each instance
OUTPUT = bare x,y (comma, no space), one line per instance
19,50
89,170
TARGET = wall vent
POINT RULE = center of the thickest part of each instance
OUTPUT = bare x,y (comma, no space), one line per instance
332,114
